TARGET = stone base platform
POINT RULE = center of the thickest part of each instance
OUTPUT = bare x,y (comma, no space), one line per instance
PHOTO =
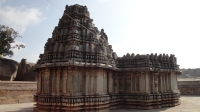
105,103
188,104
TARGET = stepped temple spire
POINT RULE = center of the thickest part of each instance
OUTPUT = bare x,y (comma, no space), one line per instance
79,71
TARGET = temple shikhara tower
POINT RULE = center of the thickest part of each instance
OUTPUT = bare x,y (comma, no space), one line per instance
79,71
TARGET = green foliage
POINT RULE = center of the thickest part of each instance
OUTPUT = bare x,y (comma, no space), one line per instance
8,36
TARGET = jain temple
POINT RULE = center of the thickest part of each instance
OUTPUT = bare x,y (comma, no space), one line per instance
80,72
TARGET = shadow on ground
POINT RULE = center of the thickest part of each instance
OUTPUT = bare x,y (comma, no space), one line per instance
28,109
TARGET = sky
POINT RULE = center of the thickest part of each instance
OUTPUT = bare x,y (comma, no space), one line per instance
132,26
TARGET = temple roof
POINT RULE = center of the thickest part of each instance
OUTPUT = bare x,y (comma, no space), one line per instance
78,42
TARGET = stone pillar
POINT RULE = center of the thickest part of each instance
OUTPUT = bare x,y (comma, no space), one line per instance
117,84
105,82
110,82
142,82
170,88
39,82
52,81
46,76
89,82
131,82
64,77
95,82
166,86
116,81
161,82
153,83
42,81
167,81
82,85
125,83
173,82
156,82
69,82
121,83
100,79
92,81
137,85
76,81
79,80
83,73
61,82
147,82
58,81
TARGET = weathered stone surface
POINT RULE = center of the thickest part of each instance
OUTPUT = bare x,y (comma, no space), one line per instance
25,71
79,71
17,92
189,87
8,69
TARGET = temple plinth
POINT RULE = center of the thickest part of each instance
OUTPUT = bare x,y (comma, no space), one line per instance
79,71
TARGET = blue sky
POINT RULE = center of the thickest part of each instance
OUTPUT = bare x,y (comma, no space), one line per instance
132,26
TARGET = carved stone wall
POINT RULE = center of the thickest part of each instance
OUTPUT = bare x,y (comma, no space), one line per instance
189,87
17,92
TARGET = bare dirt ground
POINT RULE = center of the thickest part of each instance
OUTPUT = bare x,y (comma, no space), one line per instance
188,104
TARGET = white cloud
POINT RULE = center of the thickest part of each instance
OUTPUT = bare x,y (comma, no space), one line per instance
170,27
19,18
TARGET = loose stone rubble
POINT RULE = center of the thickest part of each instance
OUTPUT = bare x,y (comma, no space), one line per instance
80,72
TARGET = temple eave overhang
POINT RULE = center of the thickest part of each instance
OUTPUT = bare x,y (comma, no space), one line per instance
105,66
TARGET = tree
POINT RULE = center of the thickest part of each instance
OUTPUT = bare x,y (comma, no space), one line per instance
8,36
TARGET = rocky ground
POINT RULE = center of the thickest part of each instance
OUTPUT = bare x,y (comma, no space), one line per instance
188,104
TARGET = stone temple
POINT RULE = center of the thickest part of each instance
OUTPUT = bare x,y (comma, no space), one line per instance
80,72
